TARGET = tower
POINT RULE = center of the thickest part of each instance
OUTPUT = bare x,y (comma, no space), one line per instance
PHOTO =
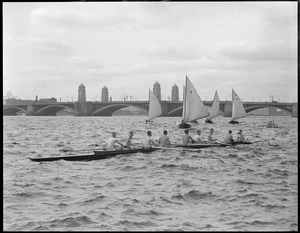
81,93
156,90
104,95
175,93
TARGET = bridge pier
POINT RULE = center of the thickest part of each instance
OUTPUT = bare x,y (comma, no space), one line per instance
227,109
30,110
83,108
164,108
295,110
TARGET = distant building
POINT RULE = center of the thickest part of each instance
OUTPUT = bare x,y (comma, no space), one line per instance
104,94
51,100
175,93
17,101
9,95
81,93
156,90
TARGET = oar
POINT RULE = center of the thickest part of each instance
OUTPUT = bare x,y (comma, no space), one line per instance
72,150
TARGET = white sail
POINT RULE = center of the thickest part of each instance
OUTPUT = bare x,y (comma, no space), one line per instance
238,110
193,106
154,106
183,103
215,107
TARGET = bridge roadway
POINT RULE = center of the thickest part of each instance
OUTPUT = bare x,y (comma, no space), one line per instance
169,108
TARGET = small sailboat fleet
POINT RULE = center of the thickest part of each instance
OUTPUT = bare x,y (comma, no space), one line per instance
154,107
214,109
193,107
238,110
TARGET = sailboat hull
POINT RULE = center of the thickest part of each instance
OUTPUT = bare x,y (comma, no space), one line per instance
209,121
184,126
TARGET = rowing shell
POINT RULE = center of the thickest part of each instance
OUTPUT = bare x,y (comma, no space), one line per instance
96,155
205,145
197,145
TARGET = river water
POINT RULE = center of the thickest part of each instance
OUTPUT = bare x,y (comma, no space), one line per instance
242,188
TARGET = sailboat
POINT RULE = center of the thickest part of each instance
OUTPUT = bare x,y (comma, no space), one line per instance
214,109
238,110
193,107
154,107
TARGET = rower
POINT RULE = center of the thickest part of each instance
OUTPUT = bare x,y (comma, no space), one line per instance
210,138
241,136
228,138
186,139
128,143
111,142
164,139
197,137
270,124
149,141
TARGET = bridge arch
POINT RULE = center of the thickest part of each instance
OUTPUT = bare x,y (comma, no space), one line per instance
109,109
252,108
12,111
178,111
175,112
51,110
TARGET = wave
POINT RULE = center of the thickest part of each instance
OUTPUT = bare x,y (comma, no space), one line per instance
62,204
257,222
168,166
24,195
178,197
149,213
279,172
134,225
97,198
270,206
70,222
187,167
194,194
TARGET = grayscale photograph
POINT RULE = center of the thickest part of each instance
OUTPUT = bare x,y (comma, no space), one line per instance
150,116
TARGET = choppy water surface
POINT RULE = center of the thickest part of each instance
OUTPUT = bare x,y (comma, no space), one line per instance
243,188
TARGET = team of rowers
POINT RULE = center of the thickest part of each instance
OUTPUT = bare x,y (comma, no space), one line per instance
164,140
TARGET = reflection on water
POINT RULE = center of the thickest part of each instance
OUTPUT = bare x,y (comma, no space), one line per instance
247,187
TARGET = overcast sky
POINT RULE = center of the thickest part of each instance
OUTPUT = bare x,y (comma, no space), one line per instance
49,49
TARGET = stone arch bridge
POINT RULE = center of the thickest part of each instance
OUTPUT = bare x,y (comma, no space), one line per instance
169,108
